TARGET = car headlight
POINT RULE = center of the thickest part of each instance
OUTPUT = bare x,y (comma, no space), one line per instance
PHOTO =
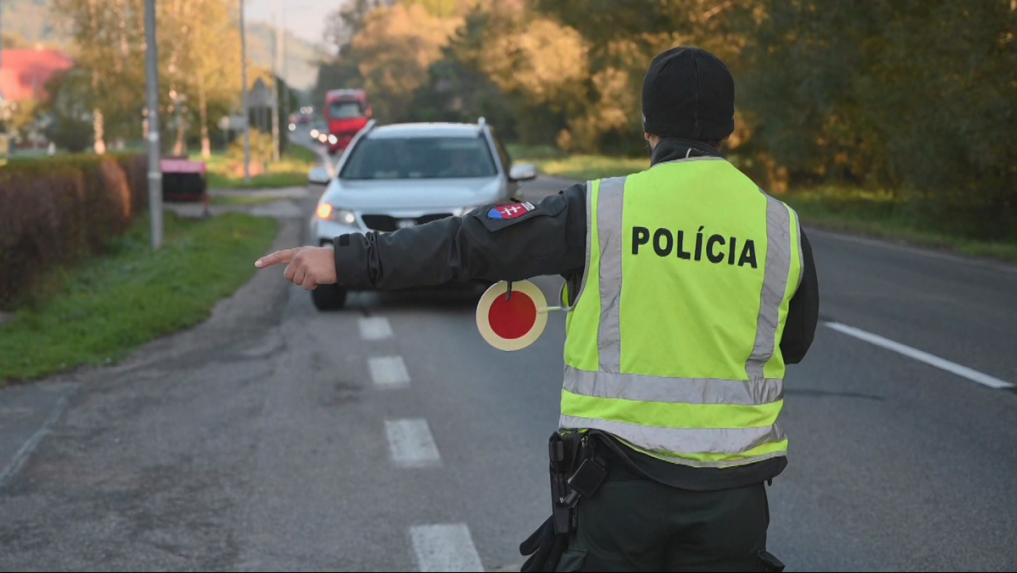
333,139
314,133
327,212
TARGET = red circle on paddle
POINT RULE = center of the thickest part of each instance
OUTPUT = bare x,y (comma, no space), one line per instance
512,318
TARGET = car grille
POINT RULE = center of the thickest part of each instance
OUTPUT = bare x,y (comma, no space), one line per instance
386,224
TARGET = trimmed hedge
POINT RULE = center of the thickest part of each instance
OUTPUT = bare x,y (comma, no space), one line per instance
54,211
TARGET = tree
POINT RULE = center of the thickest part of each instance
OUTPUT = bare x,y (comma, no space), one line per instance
911,95
394,51
915,96
108,35
540,66
455,93
69,108
13,41
24,117
211,64
199,60
342,25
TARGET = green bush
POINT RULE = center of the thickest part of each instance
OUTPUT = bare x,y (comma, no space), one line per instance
261,148
54,211
74,135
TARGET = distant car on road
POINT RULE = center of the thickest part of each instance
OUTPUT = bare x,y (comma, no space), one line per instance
299,119
400,176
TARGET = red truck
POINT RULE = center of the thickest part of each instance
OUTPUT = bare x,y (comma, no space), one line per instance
347,112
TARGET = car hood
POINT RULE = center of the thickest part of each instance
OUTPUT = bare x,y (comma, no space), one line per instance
412,194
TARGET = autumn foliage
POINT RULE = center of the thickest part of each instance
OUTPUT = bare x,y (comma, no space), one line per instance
915,97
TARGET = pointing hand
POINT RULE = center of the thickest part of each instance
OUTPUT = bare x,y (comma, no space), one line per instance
305,266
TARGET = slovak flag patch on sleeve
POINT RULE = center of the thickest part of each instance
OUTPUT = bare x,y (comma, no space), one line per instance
511,211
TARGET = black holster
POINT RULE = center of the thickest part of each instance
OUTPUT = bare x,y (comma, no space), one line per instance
577,471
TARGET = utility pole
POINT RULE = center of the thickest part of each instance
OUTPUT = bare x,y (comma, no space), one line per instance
276,66
7,151
247,112
154,153
285,76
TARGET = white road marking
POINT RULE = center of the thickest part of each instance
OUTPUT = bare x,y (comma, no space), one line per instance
375,328
925,357
411,444
389,372
29,446
445,548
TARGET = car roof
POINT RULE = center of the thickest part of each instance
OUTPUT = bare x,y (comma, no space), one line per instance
345,93
409,130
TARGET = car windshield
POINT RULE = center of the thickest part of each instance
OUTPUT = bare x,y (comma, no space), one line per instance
345,110
420,158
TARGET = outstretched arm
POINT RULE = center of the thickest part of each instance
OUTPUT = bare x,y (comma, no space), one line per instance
549,238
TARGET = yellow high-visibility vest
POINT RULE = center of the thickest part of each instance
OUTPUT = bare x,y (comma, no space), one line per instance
673,343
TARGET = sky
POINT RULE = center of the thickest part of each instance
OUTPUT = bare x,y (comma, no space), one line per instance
304,18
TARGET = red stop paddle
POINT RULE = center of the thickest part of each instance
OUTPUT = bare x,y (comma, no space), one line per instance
512,321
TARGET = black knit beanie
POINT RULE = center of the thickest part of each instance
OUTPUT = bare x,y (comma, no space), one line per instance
688,93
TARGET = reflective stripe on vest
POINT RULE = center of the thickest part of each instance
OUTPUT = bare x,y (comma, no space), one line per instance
671,347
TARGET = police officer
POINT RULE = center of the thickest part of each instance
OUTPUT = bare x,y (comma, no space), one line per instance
691,291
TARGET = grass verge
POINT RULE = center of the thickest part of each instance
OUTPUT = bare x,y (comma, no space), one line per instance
883,216
550,161
243,201
97,312
290,171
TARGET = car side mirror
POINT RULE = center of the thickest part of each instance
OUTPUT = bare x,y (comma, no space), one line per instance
523,172
319,176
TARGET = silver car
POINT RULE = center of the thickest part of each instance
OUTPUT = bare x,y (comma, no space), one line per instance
399,176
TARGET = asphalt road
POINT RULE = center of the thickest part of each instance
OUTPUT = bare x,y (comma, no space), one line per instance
389,436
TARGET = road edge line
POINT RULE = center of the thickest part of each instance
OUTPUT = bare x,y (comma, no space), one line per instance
28,448
922,356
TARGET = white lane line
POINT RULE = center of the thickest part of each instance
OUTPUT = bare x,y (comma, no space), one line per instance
925,357
375,328
389,372
411,444
445,548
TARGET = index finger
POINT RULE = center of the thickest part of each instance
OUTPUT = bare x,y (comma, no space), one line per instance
276,258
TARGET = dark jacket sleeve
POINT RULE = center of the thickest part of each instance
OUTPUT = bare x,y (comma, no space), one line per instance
803,314
550,239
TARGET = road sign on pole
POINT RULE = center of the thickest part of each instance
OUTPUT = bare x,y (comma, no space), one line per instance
154,148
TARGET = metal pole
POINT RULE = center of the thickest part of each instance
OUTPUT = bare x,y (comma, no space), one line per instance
247,112
1,32
154,154
275,82
1,65
285,77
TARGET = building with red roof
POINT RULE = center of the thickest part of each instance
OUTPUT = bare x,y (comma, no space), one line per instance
24,73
